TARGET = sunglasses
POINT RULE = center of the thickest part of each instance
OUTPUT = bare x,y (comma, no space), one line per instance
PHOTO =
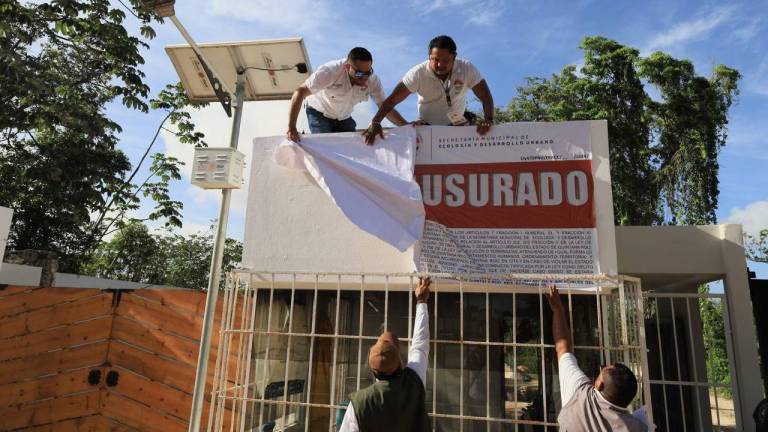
360,74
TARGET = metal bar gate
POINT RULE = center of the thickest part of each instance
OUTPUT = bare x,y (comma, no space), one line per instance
293,346
689,358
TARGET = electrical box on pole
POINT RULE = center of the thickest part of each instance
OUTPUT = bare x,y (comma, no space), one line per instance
218,168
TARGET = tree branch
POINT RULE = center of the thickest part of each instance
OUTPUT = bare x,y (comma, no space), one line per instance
127,182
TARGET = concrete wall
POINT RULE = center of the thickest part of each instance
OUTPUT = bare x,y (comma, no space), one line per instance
292,225
676,259
26,275
6,216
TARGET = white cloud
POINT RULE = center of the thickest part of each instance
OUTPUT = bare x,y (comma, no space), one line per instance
190,227
757,81
689,31
300,15
754,217
749,30
484,17
435,5
477,12
746,141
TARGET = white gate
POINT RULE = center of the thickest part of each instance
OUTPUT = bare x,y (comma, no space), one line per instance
689,358
296,345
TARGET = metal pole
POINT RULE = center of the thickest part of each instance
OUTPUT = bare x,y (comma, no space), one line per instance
199,52
215,274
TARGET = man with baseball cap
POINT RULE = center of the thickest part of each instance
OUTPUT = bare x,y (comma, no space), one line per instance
395,401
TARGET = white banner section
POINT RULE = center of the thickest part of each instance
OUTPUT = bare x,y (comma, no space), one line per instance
372,185
519,200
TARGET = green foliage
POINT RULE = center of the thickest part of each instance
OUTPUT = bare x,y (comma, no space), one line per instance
137,255
663,153
713,332
757,247
61,63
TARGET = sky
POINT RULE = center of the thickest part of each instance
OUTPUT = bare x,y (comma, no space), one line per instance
506,40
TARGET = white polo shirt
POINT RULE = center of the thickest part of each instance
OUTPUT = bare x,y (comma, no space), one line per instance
333,93
433,103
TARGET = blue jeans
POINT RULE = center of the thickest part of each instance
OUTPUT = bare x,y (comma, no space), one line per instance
318,123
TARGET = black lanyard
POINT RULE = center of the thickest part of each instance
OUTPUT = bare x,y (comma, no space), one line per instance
447,89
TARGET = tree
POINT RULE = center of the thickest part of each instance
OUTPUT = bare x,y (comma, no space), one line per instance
757,247
135,254
61,63
713,333
663,152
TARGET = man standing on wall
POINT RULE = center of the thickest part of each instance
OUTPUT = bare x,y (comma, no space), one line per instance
395,402
442,83
601,406
332,93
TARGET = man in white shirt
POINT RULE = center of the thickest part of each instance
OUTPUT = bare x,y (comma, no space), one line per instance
599,406
442,83
395,402
332,93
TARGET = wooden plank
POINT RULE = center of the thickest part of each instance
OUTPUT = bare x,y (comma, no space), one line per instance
52,362
173,373
138,415
93,423
55,315
15,290
56,338
186,300
172,320
155,340
167,371
42,297
154,394
58,385
163,305
52,410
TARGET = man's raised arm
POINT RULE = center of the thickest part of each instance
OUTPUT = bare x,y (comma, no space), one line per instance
561,333
571,376
418,353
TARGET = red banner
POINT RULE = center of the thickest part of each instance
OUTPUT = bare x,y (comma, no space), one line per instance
552,194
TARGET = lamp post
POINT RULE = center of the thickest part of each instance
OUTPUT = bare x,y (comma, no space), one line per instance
252,82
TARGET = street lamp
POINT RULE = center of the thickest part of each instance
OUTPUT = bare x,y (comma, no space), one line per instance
259,70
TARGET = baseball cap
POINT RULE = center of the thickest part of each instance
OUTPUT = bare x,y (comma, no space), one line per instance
384,356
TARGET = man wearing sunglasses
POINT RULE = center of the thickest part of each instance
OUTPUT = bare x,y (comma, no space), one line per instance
332,93
587,406
442,83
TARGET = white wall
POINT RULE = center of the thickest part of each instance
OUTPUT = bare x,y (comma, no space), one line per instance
6,216
292,225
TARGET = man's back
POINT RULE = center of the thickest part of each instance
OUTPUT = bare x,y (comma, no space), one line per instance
588,411
601,406
396,404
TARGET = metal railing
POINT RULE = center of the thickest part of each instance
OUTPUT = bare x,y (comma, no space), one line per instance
292,346
690,351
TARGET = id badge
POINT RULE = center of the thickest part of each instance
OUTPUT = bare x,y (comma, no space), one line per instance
457,119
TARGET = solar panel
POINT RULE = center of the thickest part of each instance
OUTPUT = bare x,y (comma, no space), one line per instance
273,68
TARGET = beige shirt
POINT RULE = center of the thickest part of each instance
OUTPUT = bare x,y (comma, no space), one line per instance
585,409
